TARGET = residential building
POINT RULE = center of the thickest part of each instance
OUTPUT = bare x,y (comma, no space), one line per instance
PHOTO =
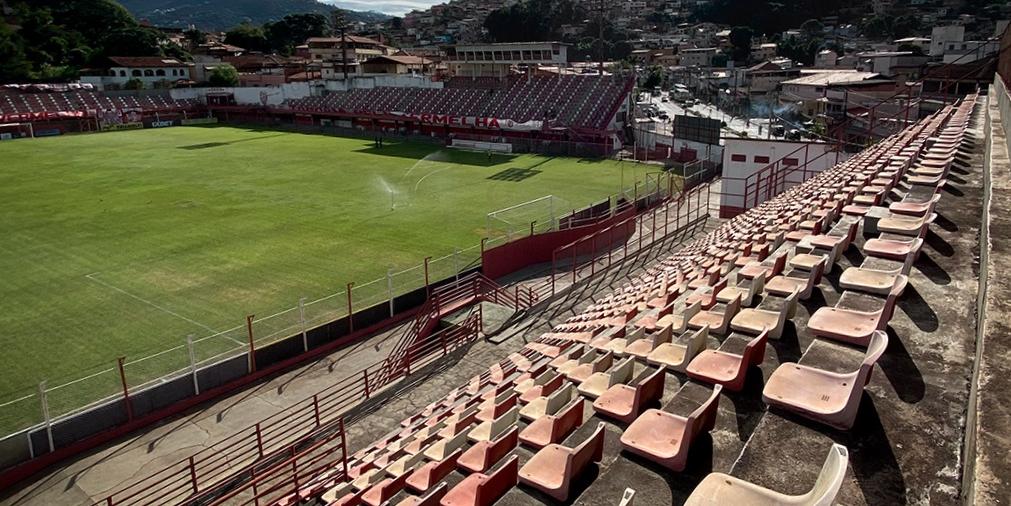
401,64
818,93
328,54
764,52
904,64
698,57
940,36
767,76
497,60
969,51
151,71
825,59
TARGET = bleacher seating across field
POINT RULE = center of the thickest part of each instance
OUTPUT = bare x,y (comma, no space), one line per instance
566,100
12,103
740,282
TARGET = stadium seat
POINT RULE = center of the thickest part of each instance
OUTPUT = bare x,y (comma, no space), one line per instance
430,474
625,402
718,489
432,498
484,454
481,489
487,431
552,469
770,316
856,316
599,382
728,368
547,405
676,355
442,449
665,438
717,318
824,396
553,428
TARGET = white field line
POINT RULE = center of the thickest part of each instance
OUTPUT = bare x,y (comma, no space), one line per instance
94,277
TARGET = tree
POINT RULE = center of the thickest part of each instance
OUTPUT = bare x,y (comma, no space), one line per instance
224,75
294,29
740,40
653,79
248,37
534,20
812,28
134,41
195,37
14,65
134,84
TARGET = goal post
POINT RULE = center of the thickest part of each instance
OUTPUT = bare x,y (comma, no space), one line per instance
541,213
9,131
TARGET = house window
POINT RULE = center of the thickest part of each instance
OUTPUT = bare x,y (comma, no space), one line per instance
160,72
790,162
738,158
148,73
761,159
122,73
135,73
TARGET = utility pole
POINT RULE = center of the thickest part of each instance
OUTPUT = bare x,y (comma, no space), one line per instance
600,33
340,26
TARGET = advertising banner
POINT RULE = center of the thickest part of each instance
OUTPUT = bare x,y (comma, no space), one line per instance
40,116
472,121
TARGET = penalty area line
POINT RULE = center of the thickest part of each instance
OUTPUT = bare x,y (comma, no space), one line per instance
93,277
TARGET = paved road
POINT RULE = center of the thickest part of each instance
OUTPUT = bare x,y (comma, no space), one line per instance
736,126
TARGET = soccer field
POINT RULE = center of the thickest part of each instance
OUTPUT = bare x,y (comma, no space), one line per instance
122,244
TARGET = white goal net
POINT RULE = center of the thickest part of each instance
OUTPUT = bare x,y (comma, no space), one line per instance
539,215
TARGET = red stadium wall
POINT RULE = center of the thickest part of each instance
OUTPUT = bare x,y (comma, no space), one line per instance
511,257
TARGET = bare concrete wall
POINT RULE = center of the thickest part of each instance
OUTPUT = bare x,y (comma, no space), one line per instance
988,471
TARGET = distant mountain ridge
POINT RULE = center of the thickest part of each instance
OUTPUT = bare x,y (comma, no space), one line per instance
225,14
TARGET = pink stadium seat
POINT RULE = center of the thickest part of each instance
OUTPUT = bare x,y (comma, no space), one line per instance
665,438
552,469
625,402
480,489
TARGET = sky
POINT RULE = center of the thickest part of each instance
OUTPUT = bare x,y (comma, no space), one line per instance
391,7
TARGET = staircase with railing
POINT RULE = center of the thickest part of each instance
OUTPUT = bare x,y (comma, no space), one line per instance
449,298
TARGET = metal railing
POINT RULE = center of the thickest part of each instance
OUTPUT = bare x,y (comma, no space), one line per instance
207,469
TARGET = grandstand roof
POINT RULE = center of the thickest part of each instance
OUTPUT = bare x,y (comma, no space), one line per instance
401,59
145,61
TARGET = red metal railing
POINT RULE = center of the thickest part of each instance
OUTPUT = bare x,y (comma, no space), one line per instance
277,434
474,287
285,479
593,253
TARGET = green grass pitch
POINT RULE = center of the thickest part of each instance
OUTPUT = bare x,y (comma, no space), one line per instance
122,244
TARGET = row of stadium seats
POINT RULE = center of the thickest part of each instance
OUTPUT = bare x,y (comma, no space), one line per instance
20,103
579,101
742,283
